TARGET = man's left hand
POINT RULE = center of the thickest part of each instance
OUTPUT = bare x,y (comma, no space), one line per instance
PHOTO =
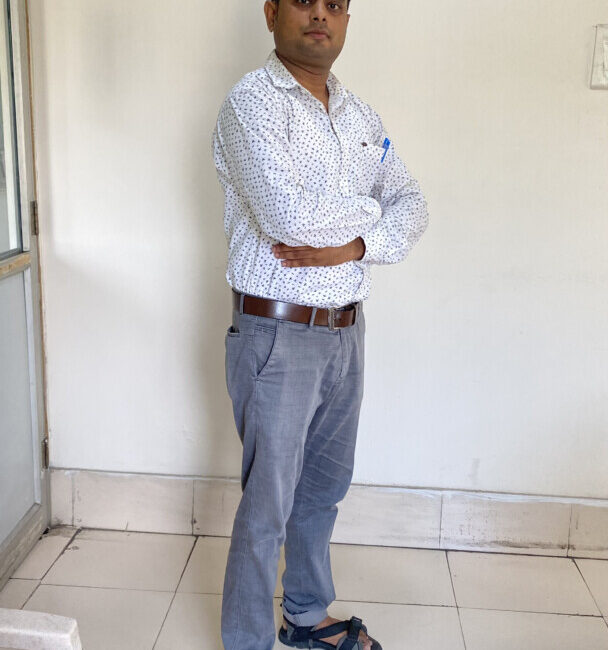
328,256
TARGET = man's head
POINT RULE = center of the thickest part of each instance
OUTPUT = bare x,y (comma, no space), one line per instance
292,20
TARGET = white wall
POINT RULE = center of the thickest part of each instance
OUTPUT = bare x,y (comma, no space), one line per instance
495,378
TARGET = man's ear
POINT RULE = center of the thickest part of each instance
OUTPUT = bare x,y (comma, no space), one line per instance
270,11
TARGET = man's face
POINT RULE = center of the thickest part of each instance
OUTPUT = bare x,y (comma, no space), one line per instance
292,19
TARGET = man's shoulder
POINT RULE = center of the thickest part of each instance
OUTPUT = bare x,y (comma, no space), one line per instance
254,85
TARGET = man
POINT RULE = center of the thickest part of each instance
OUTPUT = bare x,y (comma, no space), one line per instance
314,195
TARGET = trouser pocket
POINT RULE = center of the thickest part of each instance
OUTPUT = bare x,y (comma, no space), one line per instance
265,339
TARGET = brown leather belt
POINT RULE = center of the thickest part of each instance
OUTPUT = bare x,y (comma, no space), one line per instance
332,317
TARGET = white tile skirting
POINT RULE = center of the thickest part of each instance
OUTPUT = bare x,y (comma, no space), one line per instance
386,516
38,631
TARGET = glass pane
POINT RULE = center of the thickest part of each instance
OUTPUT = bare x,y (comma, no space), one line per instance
10,221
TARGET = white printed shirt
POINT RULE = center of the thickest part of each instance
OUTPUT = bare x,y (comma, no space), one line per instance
295,173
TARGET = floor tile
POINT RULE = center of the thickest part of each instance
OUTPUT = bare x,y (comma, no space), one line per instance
496,630
118,585
108,619
16,591
519,582
400,627
207,566
108,558
383,574
193,623
595,573
46,550
204,573
391,575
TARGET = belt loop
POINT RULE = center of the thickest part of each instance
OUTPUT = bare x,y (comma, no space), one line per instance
312,317
241,303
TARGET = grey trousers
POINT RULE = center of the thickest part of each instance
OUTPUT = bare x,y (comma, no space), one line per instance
296,391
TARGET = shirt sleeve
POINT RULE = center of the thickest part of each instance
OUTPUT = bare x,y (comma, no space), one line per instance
252,154
404,209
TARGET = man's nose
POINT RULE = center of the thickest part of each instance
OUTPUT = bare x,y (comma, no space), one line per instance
319,10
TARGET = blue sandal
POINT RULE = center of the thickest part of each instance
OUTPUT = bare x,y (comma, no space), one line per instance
303,636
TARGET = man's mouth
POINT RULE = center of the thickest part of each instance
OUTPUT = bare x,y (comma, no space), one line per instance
316,34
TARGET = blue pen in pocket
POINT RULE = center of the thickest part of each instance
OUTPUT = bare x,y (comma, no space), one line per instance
385,145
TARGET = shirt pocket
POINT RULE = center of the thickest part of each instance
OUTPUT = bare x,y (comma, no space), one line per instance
367,167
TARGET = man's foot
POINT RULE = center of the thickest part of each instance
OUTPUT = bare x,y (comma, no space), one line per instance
367,644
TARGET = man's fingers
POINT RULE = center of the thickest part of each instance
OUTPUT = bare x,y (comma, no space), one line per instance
301,255
295,255
302,262
286,248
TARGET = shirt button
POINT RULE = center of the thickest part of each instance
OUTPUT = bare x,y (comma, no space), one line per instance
344,186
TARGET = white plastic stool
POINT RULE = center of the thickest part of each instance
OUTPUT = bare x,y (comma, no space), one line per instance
26,630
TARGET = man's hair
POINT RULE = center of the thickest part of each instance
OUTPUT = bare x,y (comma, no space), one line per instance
347,3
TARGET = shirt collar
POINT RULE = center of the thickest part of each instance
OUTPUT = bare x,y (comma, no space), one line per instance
282,78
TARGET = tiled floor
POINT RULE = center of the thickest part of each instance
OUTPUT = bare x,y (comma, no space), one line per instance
131,591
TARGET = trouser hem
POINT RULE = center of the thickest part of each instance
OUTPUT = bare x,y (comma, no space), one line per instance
311,617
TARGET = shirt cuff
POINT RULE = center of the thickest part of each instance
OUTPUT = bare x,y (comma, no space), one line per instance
369,204
374,245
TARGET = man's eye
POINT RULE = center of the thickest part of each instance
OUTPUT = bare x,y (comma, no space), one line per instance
335,5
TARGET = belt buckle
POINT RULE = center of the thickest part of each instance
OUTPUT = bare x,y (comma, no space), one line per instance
331,319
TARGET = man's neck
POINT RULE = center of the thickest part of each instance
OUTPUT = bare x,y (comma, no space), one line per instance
315,81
